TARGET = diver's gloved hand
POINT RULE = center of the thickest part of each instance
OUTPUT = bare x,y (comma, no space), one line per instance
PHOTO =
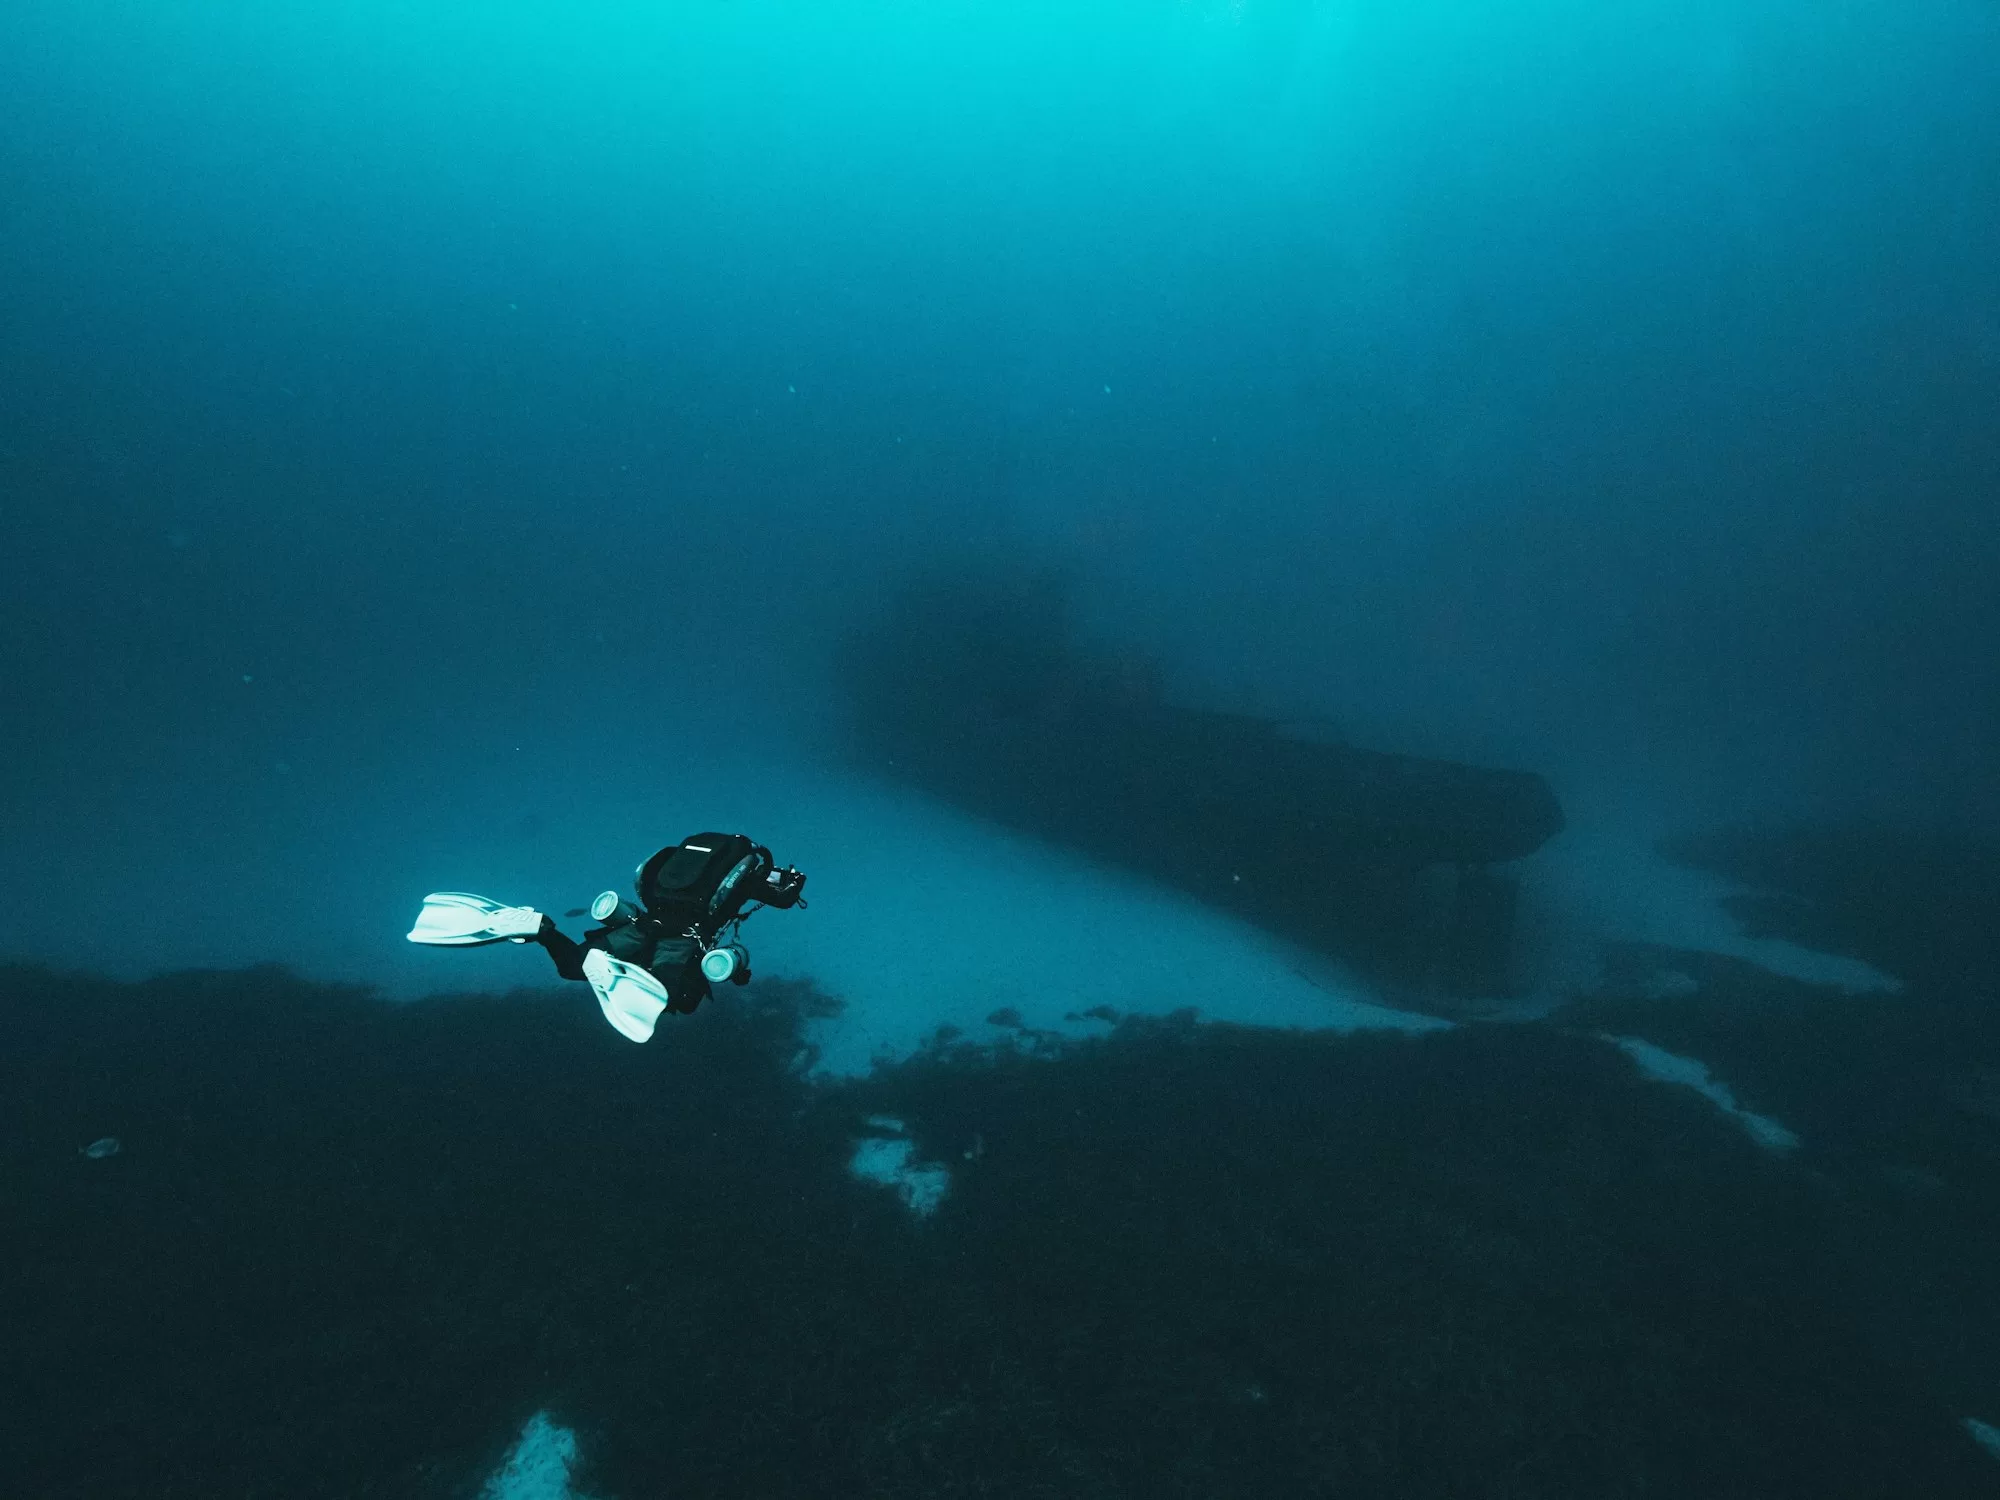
783,887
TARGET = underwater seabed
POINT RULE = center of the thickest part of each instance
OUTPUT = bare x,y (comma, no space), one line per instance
476,1246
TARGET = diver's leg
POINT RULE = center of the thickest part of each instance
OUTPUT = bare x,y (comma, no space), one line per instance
567,953
686,988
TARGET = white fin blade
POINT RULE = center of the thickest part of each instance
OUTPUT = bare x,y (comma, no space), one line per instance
631,998
457,919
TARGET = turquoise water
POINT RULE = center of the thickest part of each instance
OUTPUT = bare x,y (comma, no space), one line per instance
451,447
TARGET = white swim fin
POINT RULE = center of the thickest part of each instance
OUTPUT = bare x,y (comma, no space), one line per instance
632,998
453,919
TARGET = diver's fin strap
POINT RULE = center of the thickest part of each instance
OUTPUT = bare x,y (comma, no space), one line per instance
632,999
454,919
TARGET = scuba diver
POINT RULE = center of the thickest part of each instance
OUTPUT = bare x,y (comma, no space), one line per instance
659,955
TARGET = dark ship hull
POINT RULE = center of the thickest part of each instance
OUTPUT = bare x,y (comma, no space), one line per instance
976,691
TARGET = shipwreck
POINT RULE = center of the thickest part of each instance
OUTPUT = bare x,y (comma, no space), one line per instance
978,689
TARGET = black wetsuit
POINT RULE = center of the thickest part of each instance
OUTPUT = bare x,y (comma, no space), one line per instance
691,891
674,961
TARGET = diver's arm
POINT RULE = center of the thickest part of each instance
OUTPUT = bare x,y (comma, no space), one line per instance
773,887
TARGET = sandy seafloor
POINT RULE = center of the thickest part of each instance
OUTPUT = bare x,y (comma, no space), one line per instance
1707,1211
